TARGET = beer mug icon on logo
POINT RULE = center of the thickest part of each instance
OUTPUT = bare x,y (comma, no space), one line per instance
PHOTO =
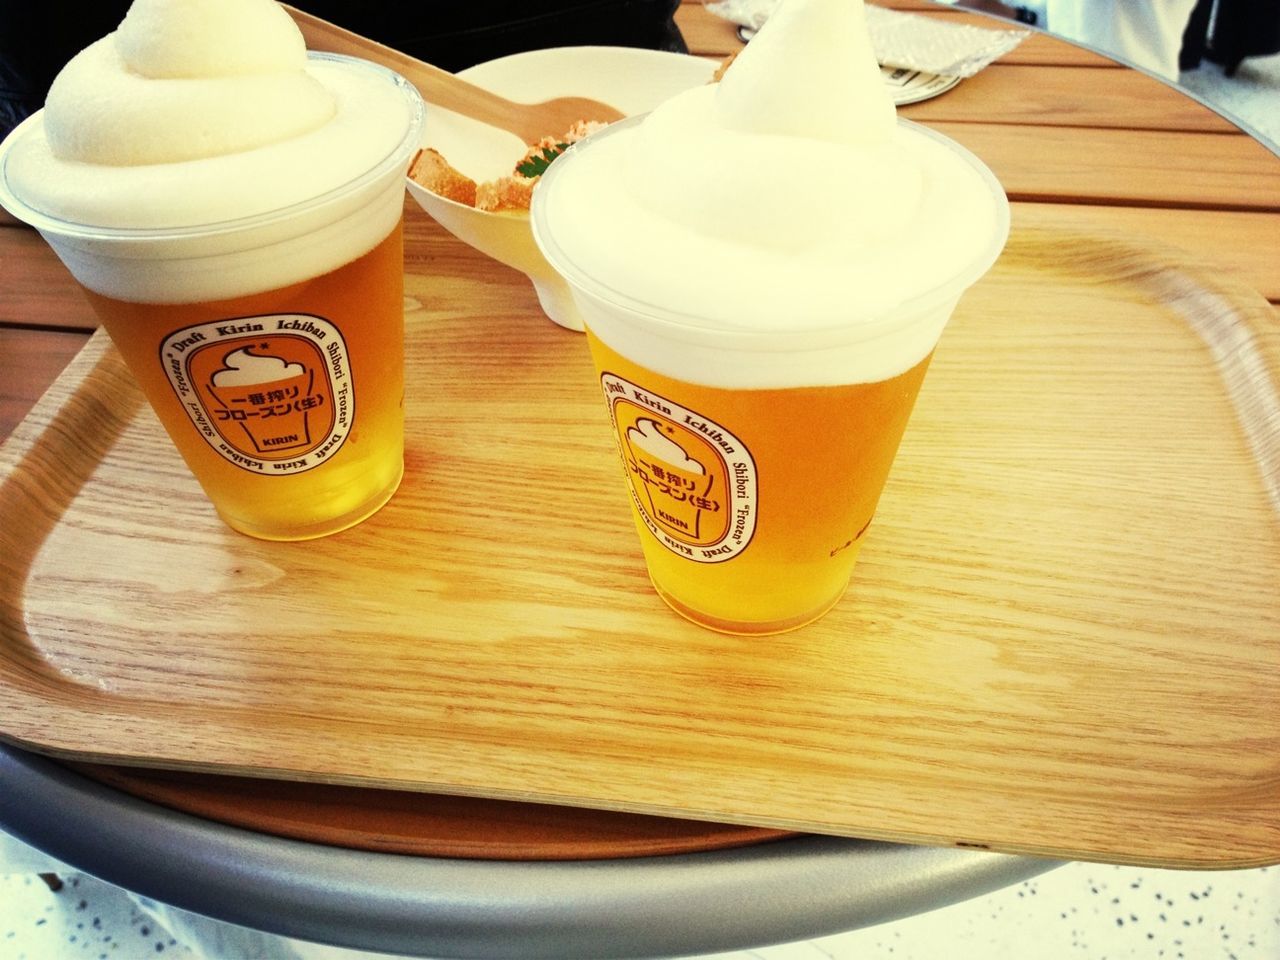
696,504
676,486
266,404
270,394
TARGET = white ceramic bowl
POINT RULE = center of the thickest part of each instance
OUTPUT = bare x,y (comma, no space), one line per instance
633,80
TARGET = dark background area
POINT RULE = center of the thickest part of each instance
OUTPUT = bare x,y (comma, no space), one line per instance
38,36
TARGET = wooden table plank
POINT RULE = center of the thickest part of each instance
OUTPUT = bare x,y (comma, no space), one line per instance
1125,167
1070,97
33,359
37,289
1043,49
705,34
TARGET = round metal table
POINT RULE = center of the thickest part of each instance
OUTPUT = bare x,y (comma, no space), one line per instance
790,889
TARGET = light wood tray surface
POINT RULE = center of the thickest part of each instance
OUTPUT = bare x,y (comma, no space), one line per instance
1060,639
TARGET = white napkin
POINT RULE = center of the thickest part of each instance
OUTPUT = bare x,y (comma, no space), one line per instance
904,39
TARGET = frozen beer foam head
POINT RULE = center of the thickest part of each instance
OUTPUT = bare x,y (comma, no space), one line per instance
198,152
831,88
243,368
781,227
182,80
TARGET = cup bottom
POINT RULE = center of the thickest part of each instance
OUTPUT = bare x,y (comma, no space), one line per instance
320,528
748,628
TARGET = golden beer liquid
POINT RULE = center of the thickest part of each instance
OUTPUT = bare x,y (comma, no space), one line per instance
822,455
365,300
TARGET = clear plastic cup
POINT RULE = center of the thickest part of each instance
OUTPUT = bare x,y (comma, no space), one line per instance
271,347
755,458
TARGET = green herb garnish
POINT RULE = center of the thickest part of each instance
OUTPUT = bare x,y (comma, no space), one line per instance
536,166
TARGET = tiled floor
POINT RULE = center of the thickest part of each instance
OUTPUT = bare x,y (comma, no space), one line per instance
1078,911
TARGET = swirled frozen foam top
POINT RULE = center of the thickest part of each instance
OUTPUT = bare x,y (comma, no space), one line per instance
182,81
200,111
786,196
245,368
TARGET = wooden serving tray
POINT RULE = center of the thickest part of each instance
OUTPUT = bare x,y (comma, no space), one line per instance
422,824
1061,638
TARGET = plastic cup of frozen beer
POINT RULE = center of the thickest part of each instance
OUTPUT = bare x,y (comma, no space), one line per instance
755,459
270,347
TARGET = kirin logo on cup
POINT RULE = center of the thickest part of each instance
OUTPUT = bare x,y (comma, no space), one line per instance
272,394
692,480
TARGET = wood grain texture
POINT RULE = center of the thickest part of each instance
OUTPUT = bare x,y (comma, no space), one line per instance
1125,167
1059,639
32,360
1069,97
1239,245
37,288
422,824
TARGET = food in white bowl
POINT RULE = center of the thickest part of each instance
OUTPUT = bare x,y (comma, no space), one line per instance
633,80
513,190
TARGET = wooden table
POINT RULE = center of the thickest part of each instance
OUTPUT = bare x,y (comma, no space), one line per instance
1079,142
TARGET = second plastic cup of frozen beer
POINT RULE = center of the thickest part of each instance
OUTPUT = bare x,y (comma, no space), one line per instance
754,458
269,344
764,266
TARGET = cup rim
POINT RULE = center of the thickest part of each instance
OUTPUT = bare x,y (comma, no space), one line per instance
886,319
45,222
